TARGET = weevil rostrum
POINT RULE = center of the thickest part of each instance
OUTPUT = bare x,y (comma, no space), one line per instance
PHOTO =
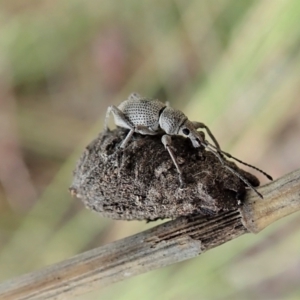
151,117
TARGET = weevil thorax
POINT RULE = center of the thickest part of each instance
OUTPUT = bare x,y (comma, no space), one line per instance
171,119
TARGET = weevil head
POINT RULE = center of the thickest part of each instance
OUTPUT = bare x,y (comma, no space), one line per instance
173,121
188,130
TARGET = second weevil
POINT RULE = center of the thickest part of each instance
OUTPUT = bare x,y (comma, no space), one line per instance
151,117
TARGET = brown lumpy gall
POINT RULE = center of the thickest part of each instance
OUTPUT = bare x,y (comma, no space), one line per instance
141,182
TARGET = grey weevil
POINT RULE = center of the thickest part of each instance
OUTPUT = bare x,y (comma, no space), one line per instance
151,117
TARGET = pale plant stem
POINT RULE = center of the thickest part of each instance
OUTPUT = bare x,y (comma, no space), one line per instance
160,246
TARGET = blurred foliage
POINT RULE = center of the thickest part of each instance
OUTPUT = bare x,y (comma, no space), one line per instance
233,65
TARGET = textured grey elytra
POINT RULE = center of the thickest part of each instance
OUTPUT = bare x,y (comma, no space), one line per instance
151,117
137,112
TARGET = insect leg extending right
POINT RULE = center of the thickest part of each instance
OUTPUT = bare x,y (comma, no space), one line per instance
218,155
167,142
240,161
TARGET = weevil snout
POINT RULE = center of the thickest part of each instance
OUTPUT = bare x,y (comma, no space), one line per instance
188,130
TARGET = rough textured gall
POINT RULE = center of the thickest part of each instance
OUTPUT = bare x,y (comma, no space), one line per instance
140,182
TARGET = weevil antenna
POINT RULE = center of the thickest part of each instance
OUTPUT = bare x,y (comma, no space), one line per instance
240,161
219,156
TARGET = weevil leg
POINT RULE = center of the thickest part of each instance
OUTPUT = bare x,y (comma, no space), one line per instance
119,117
167,142
198,125
106,129
139,129
144,130
120,120
218,155
242,162
128,137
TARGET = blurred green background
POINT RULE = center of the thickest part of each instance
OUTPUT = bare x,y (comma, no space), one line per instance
234,65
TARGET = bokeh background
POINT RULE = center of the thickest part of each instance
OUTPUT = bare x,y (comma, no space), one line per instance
234,65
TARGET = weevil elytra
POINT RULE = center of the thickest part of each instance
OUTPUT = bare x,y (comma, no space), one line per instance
152,117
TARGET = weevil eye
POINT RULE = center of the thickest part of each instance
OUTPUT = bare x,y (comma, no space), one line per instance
186,131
